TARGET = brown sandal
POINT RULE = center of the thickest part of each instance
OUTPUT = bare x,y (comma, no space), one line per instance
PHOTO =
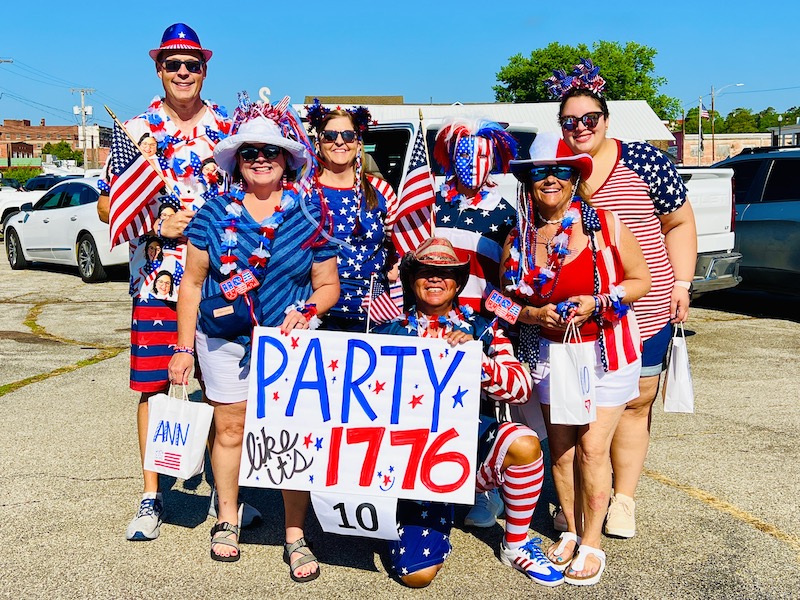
221,534
302,547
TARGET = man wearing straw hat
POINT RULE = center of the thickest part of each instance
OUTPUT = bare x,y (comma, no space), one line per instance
186,129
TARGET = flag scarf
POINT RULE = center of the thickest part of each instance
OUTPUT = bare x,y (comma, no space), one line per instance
417,197
134,182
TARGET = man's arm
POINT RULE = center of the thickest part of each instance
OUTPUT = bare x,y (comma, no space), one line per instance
102,208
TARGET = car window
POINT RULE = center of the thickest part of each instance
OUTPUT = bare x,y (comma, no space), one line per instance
88,194
783,180
388,149
744,172
72,195
50,200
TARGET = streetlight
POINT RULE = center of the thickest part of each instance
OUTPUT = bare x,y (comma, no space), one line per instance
713,94
780,122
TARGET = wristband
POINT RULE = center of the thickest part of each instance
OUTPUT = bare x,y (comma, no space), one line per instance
183,349
684,284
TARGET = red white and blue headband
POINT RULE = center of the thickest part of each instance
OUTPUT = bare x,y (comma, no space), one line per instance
585,75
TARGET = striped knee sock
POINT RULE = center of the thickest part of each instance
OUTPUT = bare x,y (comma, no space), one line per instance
521,488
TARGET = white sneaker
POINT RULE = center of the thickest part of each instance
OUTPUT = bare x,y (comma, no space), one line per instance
146,524
488,506
533,562
621,519
250,514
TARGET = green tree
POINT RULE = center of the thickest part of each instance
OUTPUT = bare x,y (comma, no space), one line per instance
63,151
628,71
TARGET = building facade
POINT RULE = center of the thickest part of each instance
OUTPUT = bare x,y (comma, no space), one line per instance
17,134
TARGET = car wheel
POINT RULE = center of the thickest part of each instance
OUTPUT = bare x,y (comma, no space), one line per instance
89,266
14,251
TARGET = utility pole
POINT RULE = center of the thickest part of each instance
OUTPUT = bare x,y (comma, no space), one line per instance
83,109
713,141
700,131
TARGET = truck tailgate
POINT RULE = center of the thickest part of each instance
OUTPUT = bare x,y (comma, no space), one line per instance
711,196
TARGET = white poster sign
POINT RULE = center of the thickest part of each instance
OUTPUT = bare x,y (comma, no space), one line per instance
364,516
360,414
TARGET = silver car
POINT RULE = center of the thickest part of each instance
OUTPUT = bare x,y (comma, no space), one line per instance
767,187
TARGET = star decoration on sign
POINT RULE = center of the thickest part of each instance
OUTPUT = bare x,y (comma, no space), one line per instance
307,441
416,400
379,386
458,397
318,444
295,342
334,365
275,396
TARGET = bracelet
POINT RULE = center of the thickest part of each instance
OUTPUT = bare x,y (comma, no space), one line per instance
186,349
309,311
159,223
684,284
596,305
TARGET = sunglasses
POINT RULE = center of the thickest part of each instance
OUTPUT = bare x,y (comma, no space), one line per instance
589,120
174,65
250,153
330,135
541,173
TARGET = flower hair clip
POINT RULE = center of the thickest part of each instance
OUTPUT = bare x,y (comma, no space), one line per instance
584,75
316,113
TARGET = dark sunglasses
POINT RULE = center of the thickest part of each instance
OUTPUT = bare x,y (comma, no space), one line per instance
541,173
250,153
174,65
589,120
330,135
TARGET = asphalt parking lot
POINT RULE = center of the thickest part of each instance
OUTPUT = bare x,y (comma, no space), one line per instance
717,509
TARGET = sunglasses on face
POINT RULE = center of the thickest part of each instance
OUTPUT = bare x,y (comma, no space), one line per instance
174,65
330,135
250,153
541,173
589,120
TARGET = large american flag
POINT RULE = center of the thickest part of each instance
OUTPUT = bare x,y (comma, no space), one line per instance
417,197
134,182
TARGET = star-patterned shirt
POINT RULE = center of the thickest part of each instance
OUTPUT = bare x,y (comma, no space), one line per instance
365,232
643,185
477,233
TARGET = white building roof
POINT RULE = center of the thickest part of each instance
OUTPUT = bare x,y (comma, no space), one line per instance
630,120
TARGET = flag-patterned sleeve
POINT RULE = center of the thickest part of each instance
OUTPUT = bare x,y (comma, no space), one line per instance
503,377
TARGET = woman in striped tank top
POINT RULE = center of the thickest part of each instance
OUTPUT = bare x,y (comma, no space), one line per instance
641,185
568,262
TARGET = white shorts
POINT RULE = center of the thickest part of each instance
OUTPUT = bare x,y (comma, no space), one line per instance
225,381
613,388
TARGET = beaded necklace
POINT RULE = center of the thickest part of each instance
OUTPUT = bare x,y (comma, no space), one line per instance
230,238
459,317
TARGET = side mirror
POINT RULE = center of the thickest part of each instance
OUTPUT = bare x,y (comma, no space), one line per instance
26,207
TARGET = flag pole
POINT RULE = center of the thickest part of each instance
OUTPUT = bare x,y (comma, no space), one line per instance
369,306
166,181
428,160
700,131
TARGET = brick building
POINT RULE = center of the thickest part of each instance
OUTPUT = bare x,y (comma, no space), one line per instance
14,132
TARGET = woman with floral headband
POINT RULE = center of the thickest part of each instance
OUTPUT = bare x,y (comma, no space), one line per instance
262,236
638,182
567,262
362,209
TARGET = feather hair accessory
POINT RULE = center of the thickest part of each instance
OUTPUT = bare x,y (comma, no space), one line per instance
504,145
584,75
316,113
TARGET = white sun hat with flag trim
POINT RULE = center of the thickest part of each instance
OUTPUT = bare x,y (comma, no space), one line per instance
548,148
180,36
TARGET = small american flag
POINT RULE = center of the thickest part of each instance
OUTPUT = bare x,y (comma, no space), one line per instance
703,112
134,182
168,460
383,305
417,197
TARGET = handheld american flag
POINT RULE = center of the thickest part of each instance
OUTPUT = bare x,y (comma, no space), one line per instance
382,305
134,182
417,197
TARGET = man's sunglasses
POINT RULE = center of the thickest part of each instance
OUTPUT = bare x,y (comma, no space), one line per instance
174,65
589,120
330,135
541,173
250,153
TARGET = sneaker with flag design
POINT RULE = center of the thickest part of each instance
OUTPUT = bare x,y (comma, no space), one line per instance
530,559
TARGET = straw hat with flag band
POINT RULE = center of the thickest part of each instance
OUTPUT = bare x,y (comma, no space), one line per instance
436,253
549,149
180,36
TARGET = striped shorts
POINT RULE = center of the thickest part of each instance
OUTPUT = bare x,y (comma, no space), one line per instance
154,333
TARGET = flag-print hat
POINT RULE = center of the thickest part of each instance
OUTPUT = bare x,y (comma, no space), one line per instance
549,149
435,252
180,37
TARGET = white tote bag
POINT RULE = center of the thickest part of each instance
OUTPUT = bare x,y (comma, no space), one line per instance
177,431
572,394
678,393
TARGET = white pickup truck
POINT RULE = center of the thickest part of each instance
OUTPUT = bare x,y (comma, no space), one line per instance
710,191
11,199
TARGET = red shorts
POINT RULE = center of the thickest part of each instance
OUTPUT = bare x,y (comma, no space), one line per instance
154,334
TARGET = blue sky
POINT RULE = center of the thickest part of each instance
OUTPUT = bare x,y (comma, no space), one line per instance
442,51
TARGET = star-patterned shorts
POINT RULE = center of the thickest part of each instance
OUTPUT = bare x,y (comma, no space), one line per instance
424,529
154,333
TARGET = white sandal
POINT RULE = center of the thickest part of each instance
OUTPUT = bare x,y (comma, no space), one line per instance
564,539
578,563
